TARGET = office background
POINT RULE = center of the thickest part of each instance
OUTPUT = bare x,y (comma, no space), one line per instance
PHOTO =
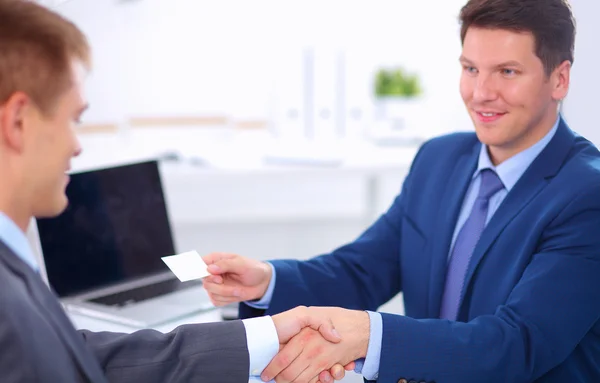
277,145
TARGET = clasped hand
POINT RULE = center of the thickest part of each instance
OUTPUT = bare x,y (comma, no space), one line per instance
316,344
311,348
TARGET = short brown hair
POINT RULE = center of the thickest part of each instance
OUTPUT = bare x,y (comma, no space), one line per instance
37,47
551,23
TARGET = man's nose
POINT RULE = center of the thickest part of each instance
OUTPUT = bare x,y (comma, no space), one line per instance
486,89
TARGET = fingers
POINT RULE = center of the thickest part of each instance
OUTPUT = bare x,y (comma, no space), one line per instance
293,375
284,365
336,372
222,301
325,377
236,265
309,373
221,295
223,290
213,279
217,256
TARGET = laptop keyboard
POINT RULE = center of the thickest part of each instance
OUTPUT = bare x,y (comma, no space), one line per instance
139,294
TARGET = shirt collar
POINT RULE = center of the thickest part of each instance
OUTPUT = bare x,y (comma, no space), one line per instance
16,240
513,168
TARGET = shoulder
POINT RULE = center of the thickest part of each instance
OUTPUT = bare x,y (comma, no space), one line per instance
585,157
576,186
582,167
447,148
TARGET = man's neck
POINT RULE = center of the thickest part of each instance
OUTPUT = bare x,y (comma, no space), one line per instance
21,220
13,201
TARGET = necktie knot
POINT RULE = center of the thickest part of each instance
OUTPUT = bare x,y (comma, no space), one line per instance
490,184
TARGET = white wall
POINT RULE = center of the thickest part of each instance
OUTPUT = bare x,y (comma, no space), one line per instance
199,56
580,106
245,58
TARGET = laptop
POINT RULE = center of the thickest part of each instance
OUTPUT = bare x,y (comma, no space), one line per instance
102,256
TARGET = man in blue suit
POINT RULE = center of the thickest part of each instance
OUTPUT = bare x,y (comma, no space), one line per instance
494,239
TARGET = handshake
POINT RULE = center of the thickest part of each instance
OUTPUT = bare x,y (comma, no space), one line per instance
316,344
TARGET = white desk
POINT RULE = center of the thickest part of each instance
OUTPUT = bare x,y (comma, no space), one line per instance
239,183
93,324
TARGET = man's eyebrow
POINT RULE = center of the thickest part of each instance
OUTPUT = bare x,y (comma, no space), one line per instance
509,63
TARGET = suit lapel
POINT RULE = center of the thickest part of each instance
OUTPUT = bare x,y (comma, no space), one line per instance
452,201
55,315
535,178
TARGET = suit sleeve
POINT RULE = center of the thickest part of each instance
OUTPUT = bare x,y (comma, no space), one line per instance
208,352
553,306
361,275
15,363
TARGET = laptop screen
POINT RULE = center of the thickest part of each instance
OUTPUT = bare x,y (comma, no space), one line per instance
115,229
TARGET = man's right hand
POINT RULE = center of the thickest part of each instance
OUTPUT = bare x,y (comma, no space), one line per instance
235,278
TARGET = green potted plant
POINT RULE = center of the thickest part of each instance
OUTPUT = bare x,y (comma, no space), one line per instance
398,107
396,94
395,83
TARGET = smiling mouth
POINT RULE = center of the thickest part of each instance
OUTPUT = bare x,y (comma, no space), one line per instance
489,116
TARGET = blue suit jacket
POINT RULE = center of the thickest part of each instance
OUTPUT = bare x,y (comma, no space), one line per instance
531,305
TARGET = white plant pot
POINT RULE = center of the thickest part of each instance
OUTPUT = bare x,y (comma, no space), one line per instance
398,112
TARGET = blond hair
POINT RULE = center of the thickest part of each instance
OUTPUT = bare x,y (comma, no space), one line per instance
37,48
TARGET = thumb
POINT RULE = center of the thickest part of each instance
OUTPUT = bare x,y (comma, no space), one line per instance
232,265
211,258
325,327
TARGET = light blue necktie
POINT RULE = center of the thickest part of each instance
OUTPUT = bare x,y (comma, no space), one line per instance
465,244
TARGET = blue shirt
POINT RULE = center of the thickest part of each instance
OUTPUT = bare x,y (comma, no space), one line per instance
509,172
16,240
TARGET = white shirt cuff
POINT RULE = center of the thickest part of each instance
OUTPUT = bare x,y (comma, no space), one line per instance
263,343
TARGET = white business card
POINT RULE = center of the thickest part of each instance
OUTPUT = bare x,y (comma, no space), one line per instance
187,266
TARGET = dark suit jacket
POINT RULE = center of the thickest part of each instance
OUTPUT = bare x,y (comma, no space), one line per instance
531,304
39,343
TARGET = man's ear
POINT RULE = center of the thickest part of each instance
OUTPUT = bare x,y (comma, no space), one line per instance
561,79
12,120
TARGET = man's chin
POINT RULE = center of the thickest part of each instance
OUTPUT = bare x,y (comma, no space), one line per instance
490,137
52,210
